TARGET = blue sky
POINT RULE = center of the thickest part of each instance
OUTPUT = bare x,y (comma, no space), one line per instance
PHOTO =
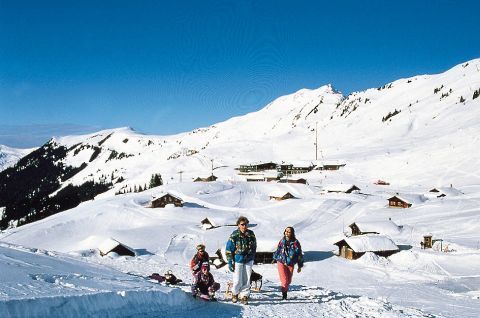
164,67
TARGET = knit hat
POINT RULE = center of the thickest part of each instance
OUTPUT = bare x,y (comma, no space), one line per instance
200,247
205,265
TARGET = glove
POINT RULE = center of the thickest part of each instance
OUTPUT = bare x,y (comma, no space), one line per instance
196,267
231,266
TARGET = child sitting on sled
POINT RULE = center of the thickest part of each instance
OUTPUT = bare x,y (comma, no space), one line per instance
204,285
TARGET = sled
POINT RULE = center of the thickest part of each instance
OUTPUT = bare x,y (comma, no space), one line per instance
205,298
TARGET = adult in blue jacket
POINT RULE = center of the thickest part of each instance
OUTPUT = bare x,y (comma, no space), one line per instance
240,251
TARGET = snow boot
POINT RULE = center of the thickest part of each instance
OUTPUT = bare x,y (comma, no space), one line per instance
234,298
284,295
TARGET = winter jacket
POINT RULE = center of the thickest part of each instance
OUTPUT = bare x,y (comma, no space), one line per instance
197,261
289,253
202,282
241,248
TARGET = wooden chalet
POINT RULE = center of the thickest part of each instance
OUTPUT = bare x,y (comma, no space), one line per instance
291,180
294,168
258,167
165,199
331,166
399,202
280,196
355,247
207,179
113,246
341,188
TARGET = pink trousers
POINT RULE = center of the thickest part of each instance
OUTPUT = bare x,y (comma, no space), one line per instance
285,272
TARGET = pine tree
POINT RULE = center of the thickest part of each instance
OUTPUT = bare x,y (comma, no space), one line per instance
155,180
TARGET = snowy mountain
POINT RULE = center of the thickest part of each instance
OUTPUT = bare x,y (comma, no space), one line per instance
408,126
421,124
10,156
417,134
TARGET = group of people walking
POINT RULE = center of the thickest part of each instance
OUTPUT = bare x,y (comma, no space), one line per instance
240,251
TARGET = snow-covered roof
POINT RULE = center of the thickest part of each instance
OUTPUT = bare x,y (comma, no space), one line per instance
300,163
450,191
264,245
338,187
370,243
381,227
165,193
410,198
109,244
278,193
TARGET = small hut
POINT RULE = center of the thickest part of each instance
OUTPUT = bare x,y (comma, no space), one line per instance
293,180
341,188
332,166
427,241
208,224
399,202
112,245
355,246
207,179
165,199
281,195
443,192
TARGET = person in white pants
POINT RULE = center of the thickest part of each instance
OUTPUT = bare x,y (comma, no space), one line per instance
240,250
241,280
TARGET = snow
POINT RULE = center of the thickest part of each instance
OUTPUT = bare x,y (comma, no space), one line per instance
10,156
53,268
387,227
370,243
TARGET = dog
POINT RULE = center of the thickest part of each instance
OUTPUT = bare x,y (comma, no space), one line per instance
257,280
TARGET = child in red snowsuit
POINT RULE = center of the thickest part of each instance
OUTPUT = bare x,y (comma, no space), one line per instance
198,259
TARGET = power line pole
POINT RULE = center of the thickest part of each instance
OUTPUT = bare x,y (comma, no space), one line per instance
180,173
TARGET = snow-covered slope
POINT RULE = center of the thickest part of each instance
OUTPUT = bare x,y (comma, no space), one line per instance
412,283
433,132
10,156
418,134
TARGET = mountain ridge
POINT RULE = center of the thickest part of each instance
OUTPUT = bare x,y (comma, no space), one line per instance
396,125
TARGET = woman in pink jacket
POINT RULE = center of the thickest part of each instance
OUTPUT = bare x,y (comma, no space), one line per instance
289,252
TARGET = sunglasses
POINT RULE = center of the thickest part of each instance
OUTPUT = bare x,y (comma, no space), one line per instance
243,224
